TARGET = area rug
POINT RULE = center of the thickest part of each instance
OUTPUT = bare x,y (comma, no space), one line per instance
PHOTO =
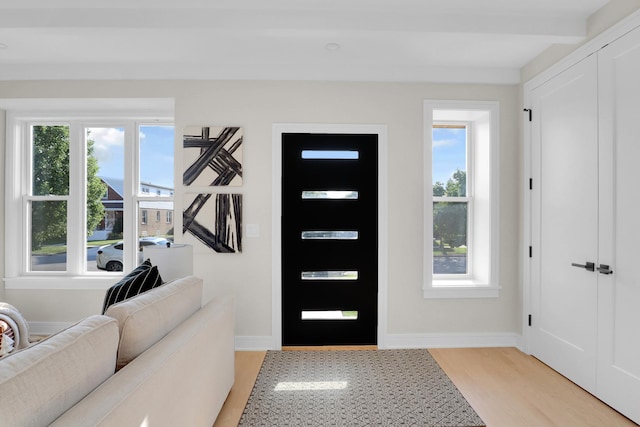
355,388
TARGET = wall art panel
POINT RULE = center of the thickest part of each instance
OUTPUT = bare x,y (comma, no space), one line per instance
212,156
215,220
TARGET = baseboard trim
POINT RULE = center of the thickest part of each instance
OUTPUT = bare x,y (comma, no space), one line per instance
398,341
453,340
246,343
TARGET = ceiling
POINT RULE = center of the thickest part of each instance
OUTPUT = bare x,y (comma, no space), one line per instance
479,41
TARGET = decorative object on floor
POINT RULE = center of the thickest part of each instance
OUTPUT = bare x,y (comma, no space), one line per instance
6,338
14,333
173,260
212,156
215,220
355,388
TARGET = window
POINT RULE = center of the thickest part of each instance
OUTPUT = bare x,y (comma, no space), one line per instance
47,201
69,174
169,216
452,202
144,216
461,228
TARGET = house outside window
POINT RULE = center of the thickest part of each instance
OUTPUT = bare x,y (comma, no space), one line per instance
461,199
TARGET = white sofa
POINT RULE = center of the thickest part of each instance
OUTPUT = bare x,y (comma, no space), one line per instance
158,359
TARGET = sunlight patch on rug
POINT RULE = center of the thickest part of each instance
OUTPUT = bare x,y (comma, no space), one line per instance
355,388
310,385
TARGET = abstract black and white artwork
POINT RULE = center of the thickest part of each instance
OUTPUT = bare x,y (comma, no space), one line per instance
215,220
212,156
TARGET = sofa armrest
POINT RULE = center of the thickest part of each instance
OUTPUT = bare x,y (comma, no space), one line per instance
41,382
183,379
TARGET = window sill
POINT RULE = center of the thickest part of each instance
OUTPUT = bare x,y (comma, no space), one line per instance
460,289
50,282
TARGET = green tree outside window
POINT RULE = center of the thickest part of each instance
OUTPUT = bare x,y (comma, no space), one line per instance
51,177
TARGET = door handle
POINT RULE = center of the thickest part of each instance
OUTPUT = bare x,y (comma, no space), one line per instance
604,269
589,266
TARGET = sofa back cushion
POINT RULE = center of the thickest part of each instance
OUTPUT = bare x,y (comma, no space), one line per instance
43,381
148,317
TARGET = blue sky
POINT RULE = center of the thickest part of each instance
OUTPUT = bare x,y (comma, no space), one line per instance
449,153
156,153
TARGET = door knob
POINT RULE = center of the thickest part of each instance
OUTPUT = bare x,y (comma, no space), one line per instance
604,269
589,266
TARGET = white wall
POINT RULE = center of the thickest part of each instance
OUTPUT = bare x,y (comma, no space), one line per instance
256,106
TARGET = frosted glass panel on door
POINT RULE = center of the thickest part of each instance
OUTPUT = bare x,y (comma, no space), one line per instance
329,275
329,235
330,154
330,195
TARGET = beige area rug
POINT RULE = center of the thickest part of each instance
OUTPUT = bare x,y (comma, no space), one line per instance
355,388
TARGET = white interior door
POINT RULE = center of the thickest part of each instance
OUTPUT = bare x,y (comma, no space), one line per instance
619,292
565,222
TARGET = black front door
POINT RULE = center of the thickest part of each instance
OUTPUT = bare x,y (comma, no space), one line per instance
329,239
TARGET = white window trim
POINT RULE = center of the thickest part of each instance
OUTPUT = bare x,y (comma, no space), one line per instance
88,113
482,282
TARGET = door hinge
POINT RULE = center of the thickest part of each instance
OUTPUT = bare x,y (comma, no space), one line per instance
529,320
530,183
528,110
530,251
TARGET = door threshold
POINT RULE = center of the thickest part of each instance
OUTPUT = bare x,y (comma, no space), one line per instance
328,347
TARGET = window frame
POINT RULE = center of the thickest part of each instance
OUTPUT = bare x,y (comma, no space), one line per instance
18,188
481,280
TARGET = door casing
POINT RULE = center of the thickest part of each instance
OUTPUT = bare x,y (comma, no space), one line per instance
276,228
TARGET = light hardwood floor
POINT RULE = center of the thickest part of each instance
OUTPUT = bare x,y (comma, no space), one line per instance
505,386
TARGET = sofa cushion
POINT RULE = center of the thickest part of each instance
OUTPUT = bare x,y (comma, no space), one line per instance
141,279
43,381
150,316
